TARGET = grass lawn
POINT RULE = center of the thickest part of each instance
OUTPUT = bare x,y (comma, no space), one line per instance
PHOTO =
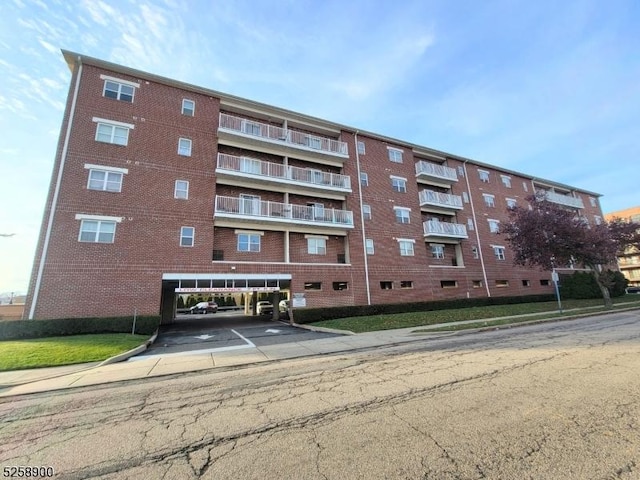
416,319
56,351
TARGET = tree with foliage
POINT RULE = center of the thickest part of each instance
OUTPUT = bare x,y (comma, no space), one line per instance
549,236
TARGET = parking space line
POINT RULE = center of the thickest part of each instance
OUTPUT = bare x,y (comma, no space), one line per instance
249,342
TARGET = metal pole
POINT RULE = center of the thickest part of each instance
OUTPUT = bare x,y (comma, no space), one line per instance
555,278
135,314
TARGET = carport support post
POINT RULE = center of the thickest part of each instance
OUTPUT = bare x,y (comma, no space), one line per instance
276,306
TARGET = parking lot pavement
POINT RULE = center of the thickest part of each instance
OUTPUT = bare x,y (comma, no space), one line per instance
211,333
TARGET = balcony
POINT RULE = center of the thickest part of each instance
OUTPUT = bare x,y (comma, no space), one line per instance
253,173
434,229
233,212
566,200
435,174
279,140
439,202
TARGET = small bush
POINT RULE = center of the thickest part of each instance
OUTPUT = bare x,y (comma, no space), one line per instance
583,285
145,325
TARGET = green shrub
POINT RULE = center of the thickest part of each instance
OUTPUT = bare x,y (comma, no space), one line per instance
145,325
310,315
583,285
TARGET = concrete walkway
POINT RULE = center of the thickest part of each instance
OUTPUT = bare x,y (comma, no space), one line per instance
123,368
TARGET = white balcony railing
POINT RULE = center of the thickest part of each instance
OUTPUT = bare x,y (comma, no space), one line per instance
445,200
444,229
565,200
282,135
435,170
260,168
254,208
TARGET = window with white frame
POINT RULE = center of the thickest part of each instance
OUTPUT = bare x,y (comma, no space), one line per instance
369,246
511,203
402,214
188,107
181,190
437,250
97,229
489,200
317,210
187,236
406,247
399,184
475,252
506,180
494,226
498,252
470,225
118,89
366,212
592,201
248,241
465,197
484,176
316,245
108,179
597,220
525,187
361,148
108,131
364,179
460,171
184,147
395,154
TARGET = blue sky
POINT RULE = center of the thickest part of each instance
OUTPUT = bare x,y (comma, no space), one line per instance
547,88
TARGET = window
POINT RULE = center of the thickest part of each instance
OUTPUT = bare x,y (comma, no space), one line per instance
597,220
494,226
525,186
361,149
117,89
395,154
406,247
248,242
181,189
506,180
188,107
187,235
448,284
218,255
406,284
499,252
97,231
108,131
475,252
250,204
592,201
545,282
470,225
489,200
476,283
526,283
399,184
317,210
484,176
366,212
460,171
511,203
402,214
369,246
184,147
340,285
316,245
437,250
386,285
502,283
313,285
364,179
341,258
465,197
108,180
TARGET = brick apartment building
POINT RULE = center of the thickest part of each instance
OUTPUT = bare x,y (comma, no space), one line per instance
160,188
629,261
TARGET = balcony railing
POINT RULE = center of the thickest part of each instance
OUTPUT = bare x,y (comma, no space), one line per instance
565,200
282,135
260,168
254,208
437,171
439,199
444,229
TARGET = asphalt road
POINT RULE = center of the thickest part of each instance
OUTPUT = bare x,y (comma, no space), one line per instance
552,401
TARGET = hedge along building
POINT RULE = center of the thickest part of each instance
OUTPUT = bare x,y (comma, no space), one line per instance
161,188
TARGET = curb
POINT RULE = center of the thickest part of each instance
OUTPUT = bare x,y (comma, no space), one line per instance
322,329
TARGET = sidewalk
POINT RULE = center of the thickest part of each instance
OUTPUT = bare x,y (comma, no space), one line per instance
118,369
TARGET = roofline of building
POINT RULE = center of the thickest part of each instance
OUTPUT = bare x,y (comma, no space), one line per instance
72,58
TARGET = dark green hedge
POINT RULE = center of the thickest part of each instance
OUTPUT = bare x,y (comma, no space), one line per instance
11,330
309,315
582,285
